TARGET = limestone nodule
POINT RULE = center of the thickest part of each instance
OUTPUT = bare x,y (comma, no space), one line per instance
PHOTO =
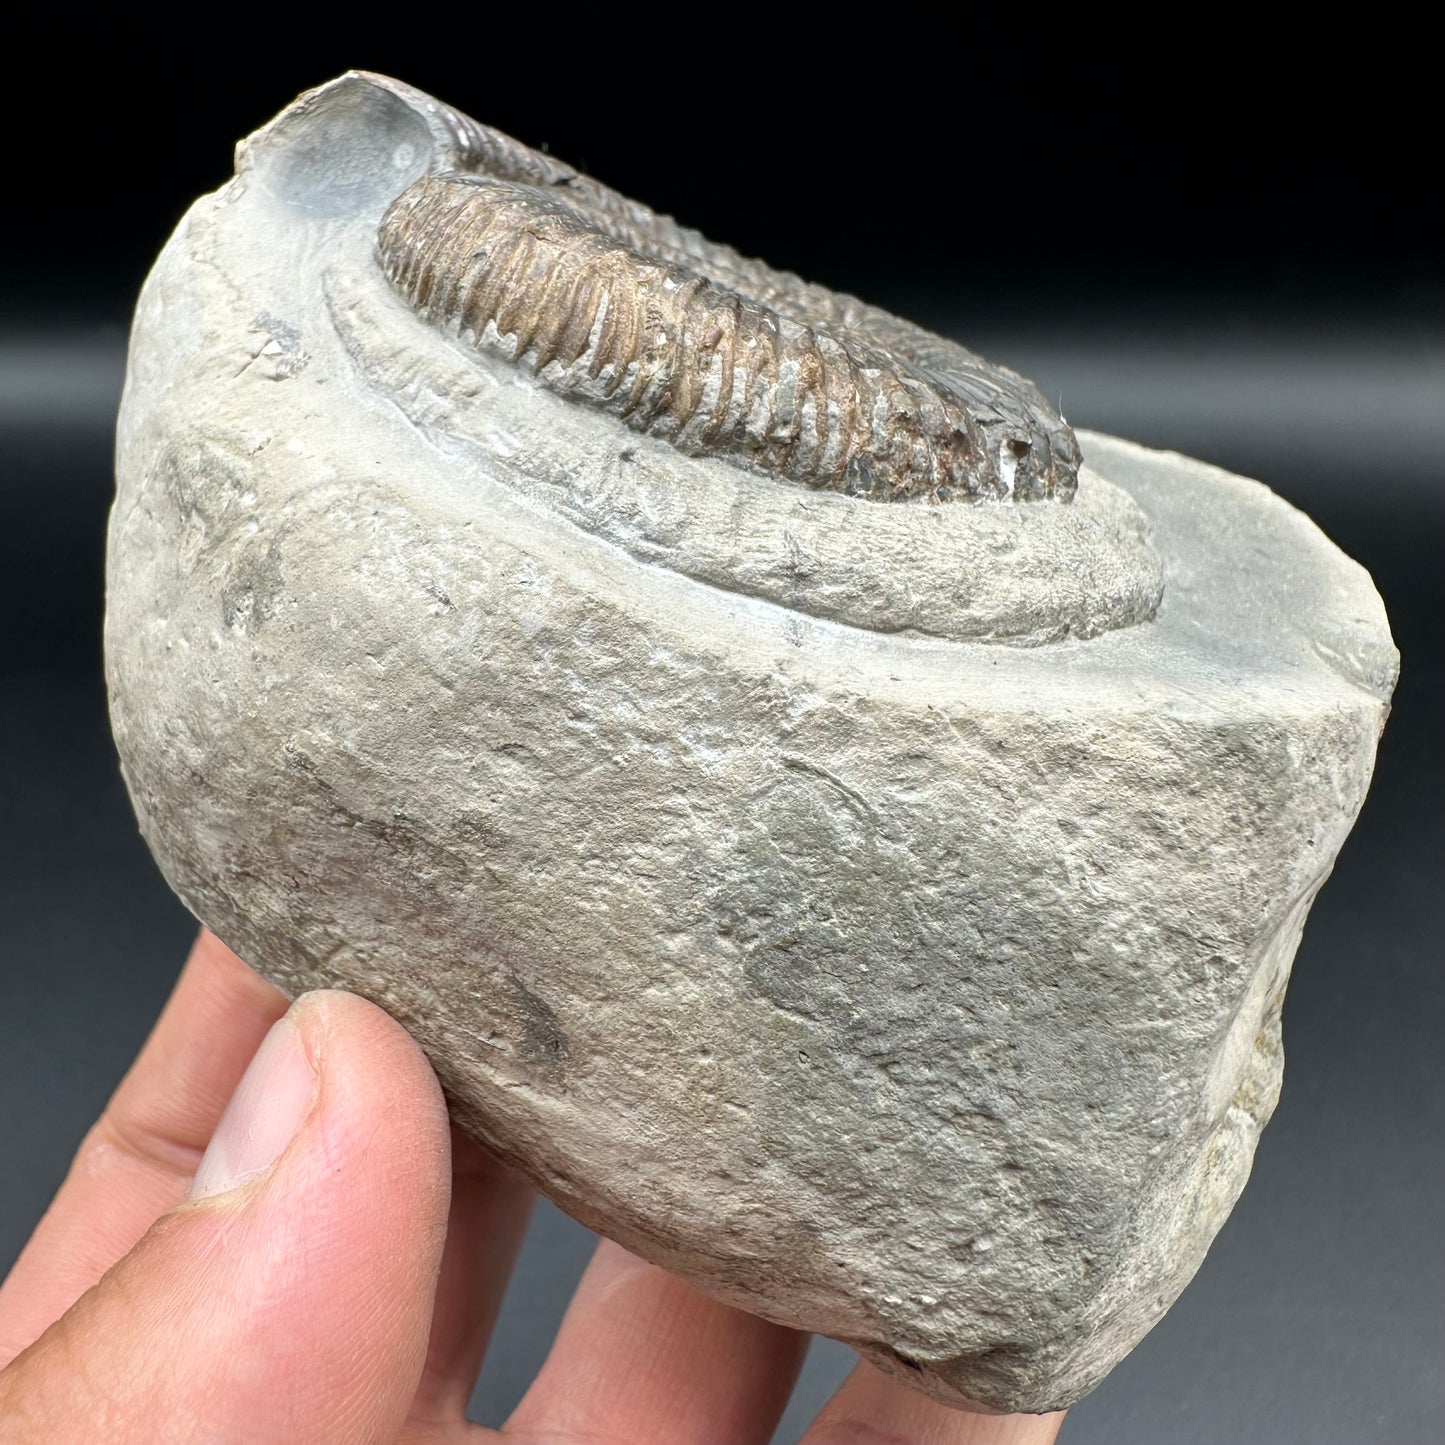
828,837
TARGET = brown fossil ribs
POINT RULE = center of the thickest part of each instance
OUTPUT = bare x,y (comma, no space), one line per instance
611,304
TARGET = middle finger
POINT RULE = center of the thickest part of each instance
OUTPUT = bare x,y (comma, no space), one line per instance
643,1357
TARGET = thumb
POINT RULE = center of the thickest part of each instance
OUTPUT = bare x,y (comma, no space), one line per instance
290,1298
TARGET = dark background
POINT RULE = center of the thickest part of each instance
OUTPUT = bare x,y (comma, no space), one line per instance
1212,239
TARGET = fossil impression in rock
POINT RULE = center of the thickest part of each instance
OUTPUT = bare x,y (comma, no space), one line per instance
831,837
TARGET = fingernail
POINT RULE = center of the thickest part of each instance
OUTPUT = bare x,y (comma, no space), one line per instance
266,1111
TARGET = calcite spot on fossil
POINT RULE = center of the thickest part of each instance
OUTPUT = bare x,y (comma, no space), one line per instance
719,355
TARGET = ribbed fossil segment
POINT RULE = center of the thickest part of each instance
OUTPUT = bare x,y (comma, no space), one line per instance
719,355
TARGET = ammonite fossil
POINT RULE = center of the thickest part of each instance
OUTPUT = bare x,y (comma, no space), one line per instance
834,832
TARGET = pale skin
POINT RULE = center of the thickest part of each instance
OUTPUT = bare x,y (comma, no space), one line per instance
325,1265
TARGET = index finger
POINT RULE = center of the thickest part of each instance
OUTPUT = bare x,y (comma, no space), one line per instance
137,1160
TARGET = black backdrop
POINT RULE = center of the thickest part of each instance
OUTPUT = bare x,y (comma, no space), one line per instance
949,159
1208,238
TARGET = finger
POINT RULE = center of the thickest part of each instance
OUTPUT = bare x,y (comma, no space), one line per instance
489,1212
292,1298
137,1160
643,1358
870,1409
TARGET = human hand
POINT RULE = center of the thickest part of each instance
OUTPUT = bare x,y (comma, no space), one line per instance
321,1260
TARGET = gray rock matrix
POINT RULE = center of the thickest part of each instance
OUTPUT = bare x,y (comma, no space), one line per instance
877,912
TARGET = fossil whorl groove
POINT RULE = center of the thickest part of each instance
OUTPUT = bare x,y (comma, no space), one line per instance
720,355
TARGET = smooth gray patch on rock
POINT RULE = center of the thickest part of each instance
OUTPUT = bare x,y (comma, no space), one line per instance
879,914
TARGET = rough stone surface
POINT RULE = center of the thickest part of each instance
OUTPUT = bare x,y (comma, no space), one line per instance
878,914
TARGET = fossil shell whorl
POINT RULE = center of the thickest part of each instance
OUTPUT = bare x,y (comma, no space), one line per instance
694,409
684,339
